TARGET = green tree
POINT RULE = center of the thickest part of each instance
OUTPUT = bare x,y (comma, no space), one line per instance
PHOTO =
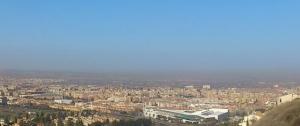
114,123
79,123
60,122
46,119
107,121
97,124
70,122
6,120
21,123
247,123
15,120
72,113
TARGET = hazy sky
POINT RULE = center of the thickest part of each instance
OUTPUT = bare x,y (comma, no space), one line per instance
153,35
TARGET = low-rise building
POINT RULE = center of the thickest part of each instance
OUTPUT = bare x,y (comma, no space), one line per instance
63,101
187,115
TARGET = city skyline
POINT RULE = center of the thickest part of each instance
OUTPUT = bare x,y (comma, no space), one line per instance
149,63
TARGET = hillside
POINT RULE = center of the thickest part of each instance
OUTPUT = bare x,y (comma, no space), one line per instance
287,114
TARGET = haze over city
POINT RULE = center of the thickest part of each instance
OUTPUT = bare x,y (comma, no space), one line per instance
140,36
149,63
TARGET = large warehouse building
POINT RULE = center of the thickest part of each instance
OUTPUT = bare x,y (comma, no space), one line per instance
187,116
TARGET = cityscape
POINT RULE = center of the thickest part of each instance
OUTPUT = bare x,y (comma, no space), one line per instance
45,101
149,63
